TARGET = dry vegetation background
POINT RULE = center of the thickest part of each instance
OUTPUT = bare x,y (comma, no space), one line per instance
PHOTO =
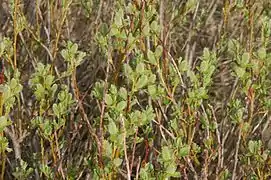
144,89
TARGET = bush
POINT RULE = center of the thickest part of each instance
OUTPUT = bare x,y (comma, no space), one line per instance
135,90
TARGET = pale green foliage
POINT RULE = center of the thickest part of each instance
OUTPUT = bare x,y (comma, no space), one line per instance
72,56
150,90
23,171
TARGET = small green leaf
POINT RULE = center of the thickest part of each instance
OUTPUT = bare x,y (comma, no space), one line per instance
128,71
192,77
117,162
152,79
140,68
254,146
184,151
239,71
123,93
146,29
158,51
245,59
233,46
74,48
190,5
107,148
122,35
48,81
40,92
118,18
13,83
171,170
114,31
166,153
112,128
183,66
98,90
3,143
262,53
108,99
152,90
131,39
113,89
4,122
56,110
142,81
121,105
155,27
151,57
206,54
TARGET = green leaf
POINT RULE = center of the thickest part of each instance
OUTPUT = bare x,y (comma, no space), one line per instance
98,90
65,55
56,110
192,77
151,57
152,90
113,89
108,99
112,128
254,146
121,105
183,66
107,148
204,66
155,27
140,68
4,144
142,81
122,35
117,162
190,5
239,71
74,48
245,59
166,154
123,93
206,54
146,29
114,31
130,9
202,92
118,18
49,81
128,71
40,92
158,51
152,79
171,170
262,53
131,40
4,122
13,83
233,46
184,151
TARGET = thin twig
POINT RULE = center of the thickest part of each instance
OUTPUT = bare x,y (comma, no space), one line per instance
138,167
260,122
99,12
218,135
125,149
134,147
192,168
236,155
